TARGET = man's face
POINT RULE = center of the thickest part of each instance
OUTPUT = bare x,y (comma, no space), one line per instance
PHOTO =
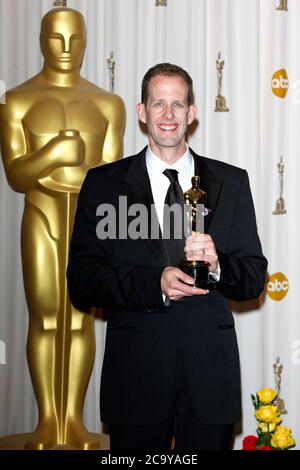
167,113
63,41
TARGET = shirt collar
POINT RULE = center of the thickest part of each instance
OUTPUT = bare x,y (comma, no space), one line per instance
184,165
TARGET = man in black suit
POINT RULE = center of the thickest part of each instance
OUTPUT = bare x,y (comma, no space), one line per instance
171,364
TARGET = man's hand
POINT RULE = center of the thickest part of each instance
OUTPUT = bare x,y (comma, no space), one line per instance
175,284
201,247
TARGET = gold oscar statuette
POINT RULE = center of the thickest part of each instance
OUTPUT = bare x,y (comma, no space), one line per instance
277,369
53,128
280,204
221,106
194,201
161,3
283,5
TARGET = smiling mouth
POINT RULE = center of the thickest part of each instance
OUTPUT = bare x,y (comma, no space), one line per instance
168,127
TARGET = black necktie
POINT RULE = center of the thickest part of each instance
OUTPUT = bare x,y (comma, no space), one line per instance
173,226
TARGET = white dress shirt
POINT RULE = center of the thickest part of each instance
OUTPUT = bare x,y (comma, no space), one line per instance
160,182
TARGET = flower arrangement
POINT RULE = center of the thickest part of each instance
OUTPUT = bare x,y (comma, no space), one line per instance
271,435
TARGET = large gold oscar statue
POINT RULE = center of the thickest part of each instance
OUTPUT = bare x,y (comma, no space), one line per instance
54,127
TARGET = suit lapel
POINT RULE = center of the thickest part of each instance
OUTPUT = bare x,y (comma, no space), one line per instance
139,191
210,184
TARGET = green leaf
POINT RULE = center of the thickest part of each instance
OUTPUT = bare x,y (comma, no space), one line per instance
258,402
254,401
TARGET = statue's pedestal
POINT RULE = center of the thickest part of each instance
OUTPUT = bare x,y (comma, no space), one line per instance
221,106
18,441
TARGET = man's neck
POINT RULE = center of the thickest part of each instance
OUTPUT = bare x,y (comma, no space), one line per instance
61,78
169,155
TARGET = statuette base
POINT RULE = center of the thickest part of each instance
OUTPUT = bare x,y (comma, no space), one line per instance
221,104
199,271
280,207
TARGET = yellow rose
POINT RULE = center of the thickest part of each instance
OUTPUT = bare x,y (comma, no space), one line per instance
267,413
269,427
266,395
282,438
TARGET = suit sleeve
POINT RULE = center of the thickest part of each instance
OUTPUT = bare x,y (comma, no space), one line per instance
243,266
93,281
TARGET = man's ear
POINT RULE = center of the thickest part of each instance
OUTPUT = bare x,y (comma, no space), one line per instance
141,112
192,113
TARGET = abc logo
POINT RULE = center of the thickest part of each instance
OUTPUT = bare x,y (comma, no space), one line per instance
278,286
280,83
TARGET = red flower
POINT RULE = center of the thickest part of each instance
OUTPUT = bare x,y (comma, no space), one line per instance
249,443
265,448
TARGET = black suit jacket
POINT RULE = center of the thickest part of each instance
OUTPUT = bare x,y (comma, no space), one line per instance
123,276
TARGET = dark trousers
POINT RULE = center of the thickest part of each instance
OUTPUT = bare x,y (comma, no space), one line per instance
180,422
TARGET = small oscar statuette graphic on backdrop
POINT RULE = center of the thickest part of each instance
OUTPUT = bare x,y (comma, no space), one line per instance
111,63
60,3
161,3
280,205
277,369
283,5
194,211
221,106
